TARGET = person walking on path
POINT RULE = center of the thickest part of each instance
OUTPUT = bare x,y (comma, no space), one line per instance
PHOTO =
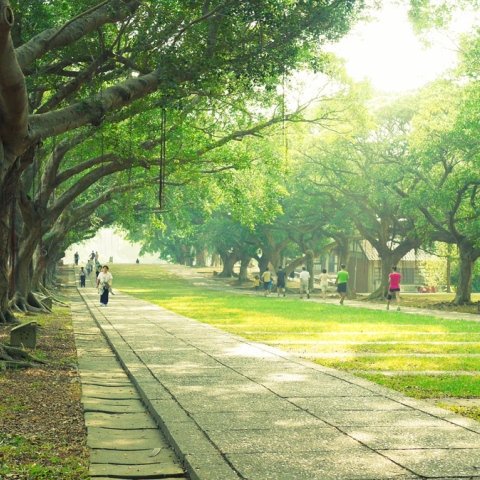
104,284
83,275
281,279
98,269
89,266
76,257
304,278
342,277
324,277
394,288
267,281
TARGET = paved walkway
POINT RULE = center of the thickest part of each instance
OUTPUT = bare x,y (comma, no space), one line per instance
235,409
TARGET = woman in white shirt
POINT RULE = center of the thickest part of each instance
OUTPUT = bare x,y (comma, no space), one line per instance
104,284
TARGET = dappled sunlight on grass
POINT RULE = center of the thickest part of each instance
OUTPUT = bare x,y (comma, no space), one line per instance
400,363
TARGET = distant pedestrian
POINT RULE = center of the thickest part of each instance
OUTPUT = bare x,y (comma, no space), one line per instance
267,281
83,275
104,284
342,277
292,275
324,278
304,279
281,278
256,283
89,266
137,261
92,255
98,269
394,288
76,257
96,258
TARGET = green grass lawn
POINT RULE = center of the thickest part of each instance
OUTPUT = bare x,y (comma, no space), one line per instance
353,339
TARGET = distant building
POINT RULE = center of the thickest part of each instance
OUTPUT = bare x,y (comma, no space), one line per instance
365,267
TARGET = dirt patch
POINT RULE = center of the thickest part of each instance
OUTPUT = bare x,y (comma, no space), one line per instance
42,432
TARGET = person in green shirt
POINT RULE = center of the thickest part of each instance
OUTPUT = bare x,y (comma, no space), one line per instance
342,277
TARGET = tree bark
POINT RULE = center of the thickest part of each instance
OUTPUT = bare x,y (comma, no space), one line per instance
229,260
468,256
201,257
245,262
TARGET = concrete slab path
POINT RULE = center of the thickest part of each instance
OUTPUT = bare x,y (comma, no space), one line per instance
124,440
235,409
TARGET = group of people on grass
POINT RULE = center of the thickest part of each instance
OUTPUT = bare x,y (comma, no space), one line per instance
340,281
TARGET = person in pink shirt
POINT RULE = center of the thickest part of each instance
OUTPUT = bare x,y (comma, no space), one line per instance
394,288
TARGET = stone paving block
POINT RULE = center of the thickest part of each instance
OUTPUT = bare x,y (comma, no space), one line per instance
112,406
166,412
152,390
104,382
214,375
179,360
188,439
447,415
208,467
248,420
111,439
357,465
381,438
367,404
113,393
391,419
140,457
315,388
93,351
439,463
104,377
99,364
218,390
140,472
275,440
124,421
177,372
196,403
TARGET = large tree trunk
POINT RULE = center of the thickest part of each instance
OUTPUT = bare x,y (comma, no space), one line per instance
468,256
245,262
388,259
309,263
263,262
229,260
201,257
13,130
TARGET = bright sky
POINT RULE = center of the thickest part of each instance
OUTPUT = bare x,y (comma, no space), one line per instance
388,53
